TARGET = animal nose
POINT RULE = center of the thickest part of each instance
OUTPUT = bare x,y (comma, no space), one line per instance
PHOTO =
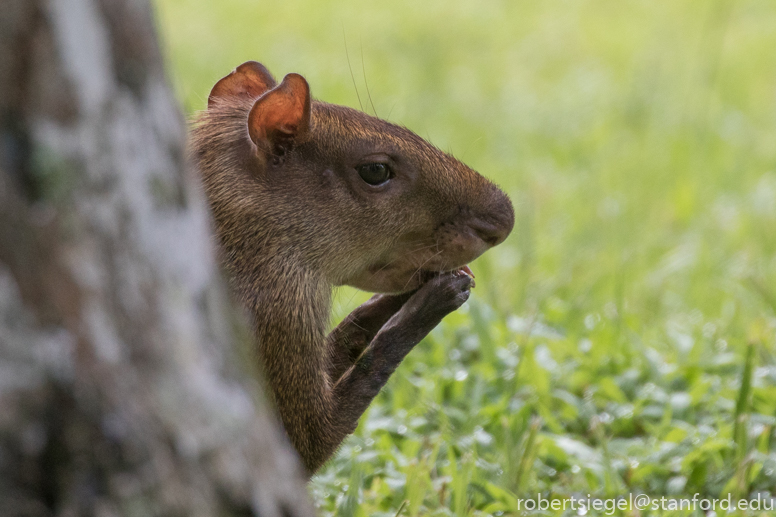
492,232
494,225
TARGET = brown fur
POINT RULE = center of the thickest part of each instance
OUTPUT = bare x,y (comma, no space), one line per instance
294,219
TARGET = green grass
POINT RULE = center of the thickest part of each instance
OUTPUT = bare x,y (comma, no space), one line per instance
622,339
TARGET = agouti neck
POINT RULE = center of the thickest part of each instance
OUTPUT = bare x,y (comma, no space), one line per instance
290,321
290,305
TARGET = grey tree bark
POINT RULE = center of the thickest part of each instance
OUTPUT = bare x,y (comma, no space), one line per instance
123,390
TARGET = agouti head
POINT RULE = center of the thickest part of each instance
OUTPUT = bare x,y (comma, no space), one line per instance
354,198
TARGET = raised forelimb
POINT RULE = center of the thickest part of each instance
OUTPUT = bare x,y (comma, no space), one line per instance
395,333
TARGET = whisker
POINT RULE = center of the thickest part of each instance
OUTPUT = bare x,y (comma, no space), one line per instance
363,70
420,268
351,68
421,248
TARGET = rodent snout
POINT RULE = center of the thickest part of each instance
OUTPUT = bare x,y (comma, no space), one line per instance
494,225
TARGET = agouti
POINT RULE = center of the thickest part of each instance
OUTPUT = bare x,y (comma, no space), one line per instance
307,196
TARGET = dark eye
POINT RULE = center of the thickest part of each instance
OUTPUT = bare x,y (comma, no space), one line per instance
374,173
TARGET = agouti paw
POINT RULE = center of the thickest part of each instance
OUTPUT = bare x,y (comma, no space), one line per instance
444,293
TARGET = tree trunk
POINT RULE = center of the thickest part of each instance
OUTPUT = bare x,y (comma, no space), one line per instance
123,390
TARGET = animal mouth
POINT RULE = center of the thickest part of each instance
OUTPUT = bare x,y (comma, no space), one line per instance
402,278
466,269
426,274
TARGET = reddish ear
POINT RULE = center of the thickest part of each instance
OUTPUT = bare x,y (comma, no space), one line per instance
282,115
250,80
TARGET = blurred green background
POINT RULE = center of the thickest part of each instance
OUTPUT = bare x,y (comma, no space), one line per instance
622,339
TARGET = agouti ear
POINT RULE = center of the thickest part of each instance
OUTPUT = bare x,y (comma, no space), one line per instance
249,80
281,117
